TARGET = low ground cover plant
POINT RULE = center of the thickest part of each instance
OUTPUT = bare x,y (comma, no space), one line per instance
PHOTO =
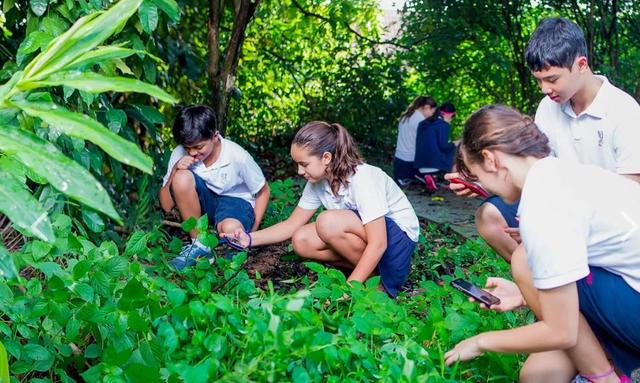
82,310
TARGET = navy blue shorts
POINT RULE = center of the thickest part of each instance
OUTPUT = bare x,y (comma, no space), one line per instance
402,170
508,211
220,207
612,309
395,264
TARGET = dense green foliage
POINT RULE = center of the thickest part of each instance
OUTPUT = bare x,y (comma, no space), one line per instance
91,298
116,312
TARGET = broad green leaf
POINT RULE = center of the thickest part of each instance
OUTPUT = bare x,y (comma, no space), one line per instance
115,266
62,172
170,7
148,14
84,35
117,119
97,83
7,270
33,42
17,203
54,24
136,243
4,365
7,5
93,220
38,6
101,54
81,126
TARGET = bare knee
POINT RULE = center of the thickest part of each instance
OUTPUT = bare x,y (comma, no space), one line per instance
491,224
301,241
327,227
182,182
547,367
229,225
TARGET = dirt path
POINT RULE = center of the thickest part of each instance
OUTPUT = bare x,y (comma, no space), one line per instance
444,207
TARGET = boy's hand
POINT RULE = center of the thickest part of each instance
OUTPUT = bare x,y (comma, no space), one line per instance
185,163
459,189
507,291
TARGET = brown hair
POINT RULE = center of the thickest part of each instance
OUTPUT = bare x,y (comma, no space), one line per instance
501,128
417,103
320,137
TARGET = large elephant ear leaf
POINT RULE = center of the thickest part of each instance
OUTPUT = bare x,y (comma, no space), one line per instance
62,172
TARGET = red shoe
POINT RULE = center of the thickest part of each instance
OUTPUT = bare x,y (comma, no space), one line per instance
430,182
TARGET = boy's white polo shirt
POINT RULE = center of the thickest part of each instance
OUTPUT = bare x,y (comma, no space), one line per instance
235,173
573,216
606,134
371,192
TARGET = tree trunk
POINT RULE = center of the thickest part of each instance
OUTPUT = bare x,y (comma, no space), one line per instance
222,66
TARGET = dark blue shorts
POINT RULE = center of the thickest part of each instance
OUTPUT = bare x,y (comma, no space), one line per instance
612,309
402,170
395,264
220,207
508,211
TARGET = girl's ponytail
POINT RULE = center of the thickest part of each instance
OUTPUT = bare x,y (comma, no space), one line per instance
320,137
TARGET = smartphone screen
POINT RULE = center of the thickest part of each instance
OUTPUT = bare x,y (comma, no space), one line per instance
475,292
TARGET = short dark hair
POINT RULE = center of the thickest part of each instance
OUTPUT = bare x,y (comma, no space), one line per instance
194,124
555,42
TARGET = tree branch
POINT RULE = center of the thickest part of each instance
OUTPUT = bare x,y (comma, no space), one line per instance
351,29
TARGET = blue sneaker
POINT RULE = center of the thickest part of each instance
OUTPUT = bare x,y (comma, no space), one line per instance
190,255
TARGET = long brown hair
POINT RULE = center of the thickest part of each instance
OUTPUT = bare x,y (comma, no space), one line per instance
418,103
501,128
320,137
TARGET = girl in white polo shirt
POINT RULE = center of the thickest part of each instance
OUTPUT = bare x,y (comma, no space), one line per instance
368,223
580,260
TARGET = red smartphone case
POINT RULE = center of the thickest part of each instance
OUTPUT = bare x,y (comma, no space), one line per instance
475,188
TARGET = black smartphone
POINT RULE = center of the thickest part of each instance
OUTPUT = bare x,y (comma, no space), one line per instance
475,292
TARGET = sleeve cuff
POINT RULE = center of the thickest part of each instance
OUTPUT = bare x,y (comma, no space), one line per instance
366,218
562,279
254,192
308,206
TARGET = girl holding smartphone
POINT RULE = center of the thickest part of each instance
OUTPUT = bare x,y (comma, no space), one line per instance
578,267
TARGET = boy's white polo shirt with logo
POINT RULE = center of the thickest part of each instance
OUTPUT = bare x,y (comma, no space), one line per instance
606,134
234,174
371,192
573,216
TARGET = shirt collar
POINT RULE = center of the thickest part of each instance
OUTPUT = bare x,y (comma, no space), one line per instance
342,191
223,158
597,108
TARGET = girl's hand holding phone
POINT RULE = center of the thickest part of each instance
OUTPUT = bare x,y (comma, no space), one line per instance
508,292
238,238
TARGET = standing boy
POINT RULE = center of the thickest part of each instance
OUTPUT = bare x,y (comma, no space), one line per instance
208,174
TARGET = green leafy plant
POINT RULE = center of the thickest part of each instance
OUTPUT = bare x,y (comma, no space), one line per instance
26,106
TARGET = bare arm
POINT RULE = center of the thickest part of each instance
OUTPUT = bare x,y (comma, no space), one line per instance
273,234
376,246
557,329
262,200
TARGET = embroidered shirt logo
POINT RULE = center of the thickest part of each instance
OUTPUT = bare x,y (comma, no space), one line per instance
600,137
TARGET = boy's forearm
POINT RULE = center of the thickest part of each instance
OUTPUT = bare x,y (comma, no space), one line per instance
262,200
